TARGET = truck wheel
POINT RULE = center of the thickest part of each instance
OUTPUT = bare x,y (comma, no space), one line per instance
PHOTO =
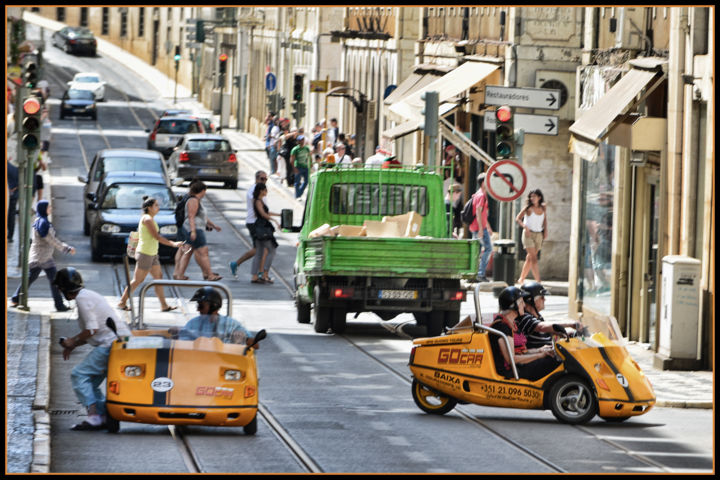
430,401
303,311
251,428
321,314
434,323
452,318
572,400
339,320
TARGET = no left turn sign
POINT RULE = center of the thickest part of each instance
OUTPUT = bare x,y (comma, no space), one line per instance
505,180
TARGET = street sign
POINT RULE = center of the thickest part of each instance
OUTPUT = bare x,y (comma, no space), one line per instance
506,180
270,82
318,86
535,124
337,83
546,99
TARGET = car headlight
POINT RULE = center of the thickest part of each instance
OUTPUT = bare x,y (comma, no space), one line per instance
168,230
233,375
110,228
133,371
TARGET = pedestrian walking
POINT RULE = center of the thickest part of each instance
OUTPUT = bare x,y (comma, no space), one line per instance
533,220
250,219
265,243
271,134
332,132
287,143
44,243
88,376
13,195
146,254
194,227
454,206
480,226
300,157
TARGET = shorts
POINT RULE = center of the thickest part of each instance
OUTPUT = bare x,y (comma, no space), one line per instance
200,240
38,183
146,262
532,240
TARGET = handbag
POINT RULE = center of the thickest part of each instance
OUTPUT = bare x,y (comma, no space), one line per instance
264,229
133,240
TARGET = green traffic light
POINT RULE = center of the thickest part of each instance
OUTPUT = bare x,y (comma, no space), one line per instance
503,149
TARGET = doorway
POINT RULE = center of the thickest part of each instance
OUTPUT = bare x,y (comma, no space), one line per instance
642,311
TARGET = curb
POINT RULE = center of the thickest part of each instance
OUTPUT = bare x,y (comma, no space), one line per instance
41,417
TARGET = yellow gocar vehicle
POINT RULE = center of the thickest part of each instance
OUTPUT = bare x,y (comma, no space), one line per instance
596,376
156,379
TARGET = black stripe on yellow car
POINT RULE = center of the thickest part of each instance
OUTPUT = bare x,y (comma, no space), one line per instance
162,367
614,369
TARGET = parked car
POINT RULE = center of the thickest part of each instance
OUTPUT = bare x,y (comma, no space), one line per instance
116,207
168,131
119,160
78,102
207,156
89,81
75,40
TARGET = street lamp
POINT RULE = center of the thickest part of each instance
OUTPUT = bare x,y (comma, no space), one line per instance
360,105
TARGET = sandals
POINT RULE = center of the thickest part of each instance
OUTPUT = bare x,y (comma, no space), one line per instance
184,277
215,278
257,280
168,309
123,307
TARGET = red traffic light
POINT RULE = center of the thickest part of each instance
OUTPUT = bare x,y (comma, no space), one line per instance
503,114
223,57
31,106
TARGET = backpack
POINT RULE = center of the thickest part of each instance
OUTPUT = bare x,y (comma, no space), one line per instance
180,210
468,212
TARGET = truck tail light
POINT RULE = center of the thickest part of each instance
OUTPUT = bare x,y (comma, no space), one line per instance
232,158
343,292
184,157
458,296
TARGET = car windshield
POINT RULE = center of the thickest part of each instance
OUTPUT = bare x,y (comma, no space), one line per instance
81,33
87,79
177,127
128,164
80,95
208,146
130,196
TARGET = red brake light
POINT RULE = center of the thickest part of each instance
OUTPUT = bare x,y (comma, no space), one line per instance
343,292
184,157
232,158
458,296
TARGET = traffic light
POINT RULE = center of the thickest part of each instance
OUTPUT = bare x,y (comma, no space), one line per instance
431,112
298,88
504,132
30,74
223,63
31,123
200,31
282,103
177,55
301,110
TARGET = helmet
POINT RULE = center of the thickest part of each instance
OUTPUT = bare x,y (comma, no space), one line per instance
508,298
68,280
532,290
210,295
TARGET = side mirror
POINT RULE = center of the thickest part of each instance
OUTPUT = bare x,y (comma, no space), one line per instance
82,179
258,336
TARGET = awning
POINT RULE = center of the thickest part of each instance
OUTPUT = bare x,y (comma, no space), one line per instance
447,86
411,126
422,75
596,123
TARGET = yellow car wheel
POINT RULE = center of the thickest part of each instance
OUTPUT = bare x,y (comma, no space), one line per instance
430,401
573,401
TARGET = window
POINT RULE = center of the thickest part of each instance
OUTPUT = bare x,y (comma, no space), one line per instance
123,23
60,14
83,17
129,164
130,196
105,21
141,22
377,199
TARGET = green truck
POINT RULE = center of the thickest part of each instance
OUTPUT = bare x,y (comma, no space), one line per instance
337,275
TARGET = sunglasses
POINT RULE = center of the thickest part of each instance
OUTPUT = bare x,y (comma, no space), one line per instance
264,179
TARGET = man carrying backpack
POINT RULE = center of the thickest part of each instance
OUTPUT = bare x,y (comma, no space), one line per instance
480,227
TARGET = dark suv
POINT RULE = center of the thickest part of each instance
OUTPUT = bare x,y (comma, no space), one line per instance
168,131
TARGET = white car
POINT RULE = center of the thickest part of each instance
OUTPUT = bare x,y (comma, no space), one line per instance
89,81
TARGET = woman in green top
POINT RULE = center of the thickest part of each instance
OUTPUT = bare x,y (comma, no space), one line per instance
146,254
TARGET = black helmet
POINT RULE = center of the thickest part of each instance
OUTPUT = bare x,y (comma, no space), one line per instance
508,298
68,280
532,290
210,295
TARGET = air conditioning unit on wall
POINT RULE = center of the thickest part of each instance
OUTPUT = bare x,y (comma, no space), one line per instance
563,81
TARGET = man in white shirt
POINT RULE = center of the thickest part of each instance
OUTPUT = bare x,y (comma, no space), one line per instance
250,219
93,314
343,159
377,159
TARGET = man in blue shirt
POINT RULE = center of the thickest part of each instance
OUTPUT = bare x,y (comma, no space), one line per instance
210,323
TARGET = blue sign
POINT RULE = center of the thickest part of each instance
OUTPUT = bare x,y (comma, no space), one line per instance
270,82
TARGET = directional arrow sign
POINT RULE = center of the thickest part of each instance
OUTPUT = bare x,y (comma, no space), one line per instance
546,99
536,124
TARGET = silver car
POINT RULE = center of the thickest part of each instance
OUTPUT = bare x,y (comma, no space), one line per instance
206,156
168,131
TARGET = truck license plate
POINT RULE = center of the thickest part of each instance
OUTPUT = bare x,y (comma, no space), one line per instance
398,294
